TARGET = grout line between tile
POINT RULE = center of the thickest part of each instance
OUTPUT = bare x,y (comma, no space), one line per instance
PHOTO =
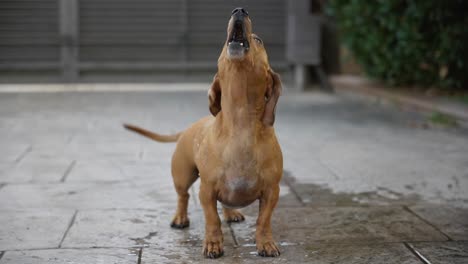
67,172
72,221
23,154
236,243
416,253
140,253
427,222
76,248
293,190
315,242
328,168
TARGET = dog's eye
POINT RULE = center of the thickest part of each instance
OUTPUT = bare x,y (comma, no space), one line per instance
259,40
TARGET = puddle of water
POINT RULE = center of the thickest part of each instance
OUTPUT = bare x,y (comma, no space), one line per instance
133,252
143,241
320,195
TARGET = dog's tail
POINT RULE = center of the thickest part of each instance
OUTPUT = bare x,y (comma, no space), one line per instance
152,135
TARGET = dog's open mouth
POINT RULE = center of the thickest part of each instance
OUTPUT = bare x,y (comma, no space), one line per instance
238,43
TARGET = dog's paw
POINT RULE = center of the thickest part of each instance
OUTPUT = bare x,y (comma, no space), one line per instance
180,222
231,216
268,249
213,249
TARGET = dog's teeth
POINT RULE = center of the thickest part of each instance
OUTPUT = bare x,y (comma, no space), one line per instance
242,44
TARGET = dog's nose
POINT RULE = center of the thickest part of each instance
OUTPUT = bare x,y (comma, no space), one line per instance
239,12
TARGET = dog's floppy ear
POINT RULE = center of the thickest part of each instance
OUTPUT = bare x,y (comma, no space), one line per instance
272,94
214,96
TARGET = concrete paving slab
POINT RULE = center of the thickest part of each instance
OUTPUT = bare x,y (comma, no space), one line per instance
33,228
146,170
380,253
287,198
317,195
110,151
449,252
450,220
12,153
103,151
341,225
37,170
347,159
147,195
95,171
120,170
133,228
60,256
181,254
349,254
363,166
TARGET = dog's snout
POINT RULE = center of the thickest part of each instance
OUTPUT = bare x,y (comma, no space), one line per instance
239,12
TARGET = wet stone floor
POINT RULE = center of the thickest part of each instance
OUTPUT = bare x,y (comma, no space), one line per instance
363,183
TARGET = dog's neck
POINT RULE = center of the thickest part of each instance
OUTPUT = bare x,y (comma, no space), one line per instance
240,107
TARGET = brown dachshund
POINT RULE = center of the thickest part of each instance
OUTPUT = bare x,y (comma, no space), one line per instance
234,152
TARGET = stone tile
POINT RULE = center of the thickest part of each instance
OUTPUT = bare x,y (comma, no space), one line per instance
287,198
38,170
115,150
379,253
147,170
148,195
99,171
317,195
301,164
21,229
425,167
4,167
341,225
449,252
450,220
12,152
323,253
158,152
60,256
181,254
103,151
130,228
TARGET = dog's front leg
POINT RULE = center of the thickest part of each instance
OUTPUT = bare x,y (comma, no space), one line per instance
213,243
266,246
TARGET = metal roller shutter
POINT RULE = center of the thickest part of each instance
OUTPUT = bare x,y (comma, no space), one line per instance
130,31
77,40
29,35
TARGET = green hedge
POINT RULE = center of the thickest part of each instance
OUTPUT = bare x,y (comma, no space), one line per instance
407,42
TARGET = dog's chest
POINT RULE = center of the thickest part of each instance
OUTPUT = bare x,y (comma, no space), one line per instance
239,177
238,190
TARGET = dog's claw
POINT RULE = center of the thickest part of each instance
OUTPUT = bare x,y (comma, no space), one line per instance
268,249
180,225
180,222
213,255
213,250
